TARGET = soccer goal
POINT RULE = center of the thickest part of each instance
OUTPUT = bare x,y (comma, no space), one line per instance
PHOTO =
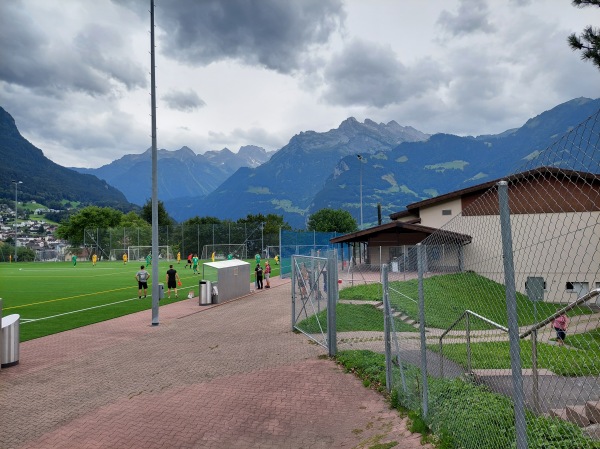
140,252
222,250
271,252
117,253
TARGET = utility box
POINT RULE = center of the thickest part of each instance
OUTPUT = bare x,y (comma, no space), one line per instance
232,277
161,290
534,287
9,351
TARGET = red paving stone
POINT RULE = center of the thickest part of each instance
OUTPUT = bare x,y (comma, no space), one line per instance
226,376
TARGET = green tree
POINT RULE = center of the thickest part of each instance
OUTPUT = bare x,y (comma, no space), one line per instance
272,222
201,221
25,254
89,217
163,217
589,41
332,220
133,220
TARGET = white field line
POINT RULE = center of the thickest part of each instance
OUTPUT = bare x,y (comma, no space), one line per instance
26,320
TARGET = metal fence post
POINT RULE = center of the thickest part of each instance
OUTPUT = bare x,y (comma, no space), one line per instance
469,363
536,388
386,329
332,296
513,324
293,276
420,266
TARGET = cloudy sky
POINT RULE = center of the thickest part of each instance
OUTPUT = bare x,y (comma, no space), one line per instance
75,74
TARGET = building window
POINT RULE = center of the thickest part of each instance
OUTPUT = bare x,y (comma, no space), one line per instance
446,211
581,288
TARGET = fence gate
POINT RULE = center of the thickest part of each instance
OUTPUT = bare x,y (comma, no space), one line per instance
314,297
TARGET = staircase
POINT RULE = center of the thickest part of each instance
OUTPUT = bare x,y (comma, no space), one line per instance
400,315
586,416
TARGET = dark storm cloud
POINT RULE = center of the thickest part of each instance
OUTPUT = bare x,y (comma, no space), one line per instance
183,101
371,75
472,16
274,34
33,60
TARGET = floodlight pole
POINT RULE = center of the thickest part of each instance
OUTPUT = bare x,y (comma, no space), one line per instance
16,183
155,286
360,159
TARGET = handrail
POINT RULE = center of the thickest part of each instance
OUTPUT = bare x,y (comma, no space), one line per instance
402,294
591,294
584,298
470,312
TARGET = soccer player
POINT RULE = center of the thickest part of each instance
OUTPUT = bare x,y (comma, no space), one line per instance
178,257
149,259
276,259
74,259
94,259
124,258
142,277
212,256
195,264
189,260
172,280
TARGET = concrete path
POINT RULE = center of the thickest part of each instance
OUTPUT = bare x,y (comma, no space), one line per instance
226,376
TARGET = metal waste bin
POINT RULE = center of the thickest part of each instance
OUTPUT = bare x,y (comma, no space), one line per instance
161,291
205,296
9,352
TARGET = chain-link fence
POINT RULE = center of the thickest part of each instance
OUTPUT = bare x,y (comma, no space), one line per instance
110,244
509,317
305,243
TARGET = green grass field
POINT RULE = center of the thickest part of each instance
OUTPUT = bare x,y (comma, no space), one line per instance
53,297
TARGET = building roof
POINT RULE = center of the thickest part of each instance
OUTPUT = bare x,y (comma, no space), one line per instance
540,171
399,227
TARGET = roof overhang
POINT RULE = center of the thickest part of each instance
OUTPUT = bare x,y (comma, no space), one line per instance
400,227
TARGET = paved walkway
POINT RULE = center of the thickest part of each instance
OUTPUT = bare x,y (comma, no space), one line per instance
226,376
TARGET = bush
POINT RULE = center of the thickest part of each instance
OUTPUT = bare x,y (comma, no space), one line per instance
467,416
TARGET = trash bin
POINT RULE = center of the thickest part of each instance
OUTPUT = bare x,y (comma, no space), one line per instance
205,296
161,290
9,352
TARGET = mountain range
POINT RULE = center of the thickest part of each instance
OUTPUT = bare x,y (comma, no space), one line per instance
319,170
182,173
397,166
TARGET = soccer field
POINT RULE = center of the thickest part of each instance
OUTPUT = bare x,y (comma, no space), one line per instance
53,297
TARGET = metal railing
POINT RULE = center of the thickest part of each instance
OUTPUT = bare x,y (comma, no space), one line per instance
531,331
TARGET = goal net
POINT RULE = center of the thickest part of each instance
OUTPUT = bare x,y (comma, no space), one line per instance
117,253
271,252
237,250
140,252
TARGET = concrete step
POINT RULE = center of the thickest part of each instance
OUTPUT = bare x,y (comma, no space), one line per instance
576,415
592,411
593,431
559,413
